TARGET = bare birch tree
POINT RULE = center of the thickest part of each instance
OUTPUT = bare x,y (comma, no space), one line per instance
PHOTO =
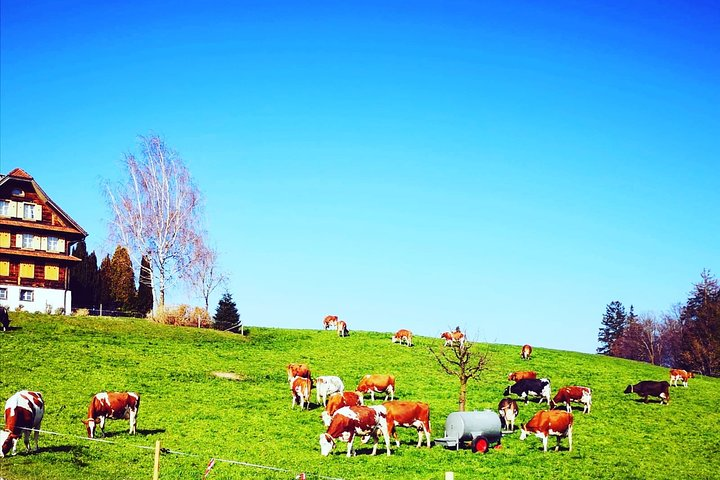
464,362
156,212
203,274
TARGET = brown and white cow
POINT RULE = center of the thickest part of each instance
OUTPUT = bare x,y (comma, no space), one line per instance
113,406
525,352
342,329
377,383
549,422
573,394
23,412
300,389
401,336
350,421
508,411
453,337
337,401
517,376
298,370
330,321
677,374
411,415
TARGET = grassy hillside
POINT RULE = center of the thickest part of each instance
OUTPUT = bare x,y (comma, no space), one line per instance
250,420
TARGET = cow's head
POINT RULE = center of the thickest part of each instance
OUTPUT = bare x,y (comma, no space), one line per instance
629,389
507,391
326,418
327,443
90,426
7,442
523,432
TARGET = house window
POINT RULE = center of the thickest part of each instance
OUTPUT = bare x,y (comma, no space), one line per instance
27,240
27,295
52,244
4,269
3,294
5,208
29,211
52,272
27,270
5,239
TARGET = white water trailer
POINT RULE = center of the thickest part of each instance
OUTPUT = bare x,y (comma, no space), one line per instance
480,428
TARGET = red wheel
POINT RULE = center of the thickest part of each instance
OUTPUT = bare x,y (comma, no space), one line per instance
480,445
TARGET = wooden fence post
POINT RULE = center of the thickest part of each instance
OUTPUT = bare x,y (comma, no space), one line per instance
156,470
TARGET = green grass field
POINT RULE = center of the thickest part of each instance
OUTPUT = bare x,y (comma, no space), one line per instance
191,411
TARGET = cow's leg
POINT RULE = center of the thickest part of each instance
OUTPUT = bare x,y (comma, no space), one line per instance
384,430
102,425
26,440
545,442
133,421
350,449
390,390
14,446
36,435
372,395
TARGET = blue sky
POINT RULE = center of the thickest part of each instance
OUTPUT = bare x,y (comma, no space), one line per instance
510,168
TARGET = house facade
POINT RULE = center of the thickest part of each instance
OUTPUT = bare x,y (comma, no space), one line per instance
36,236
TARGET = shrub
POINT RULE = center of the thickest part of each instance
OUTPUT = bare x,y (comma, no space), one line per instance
183,316
81,312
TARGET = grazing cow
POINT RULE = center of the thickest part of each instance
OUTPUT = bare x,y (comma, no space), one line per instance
677,374
298,370
337,401
549,422
326,385
525,352
573,394
403,336
409,414
330,321
453,337
517,376
648,388
4,319
113,406
508,411
300,389
377,384
350,421
531,387
342,329
23,412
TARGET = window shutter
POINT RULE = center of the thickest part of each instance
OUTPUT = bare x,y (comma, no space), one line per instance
13,209
43,244
36,242
52,272
5,269
5,239
61,245
18,240
38,213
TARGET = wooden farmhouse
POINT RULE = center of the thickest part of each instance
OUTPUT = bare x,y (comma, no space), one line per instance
35,240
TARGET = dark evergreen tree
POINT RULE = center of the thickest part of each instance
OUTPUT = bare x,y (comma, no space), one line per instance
226,314
144,291
613,322
84,278
700,322
105,277
122,285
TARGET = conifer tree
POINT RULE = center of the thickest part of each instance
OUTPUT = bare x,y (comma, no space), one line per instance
613,322
144,292
122,288
700,319
83,277
226,314
105,277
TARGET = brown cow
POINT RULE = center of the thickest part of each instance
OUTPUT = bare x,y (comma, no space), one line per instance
526,352
298,370
573,394
23,412
403,335
112,405
549,422
342,329
337,401
350,421
377,384
677,374
508,411
453,337
300,390
409,414
330,321
517,376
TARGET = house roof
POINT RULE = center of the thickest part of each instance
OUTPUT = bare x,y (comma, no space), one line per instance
19,174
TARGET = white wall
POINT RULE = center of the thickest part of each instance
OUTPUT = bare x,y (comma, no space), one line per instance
42,297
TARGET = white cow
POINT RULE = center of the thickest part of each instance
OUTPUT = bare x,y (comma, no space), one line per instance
327,385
